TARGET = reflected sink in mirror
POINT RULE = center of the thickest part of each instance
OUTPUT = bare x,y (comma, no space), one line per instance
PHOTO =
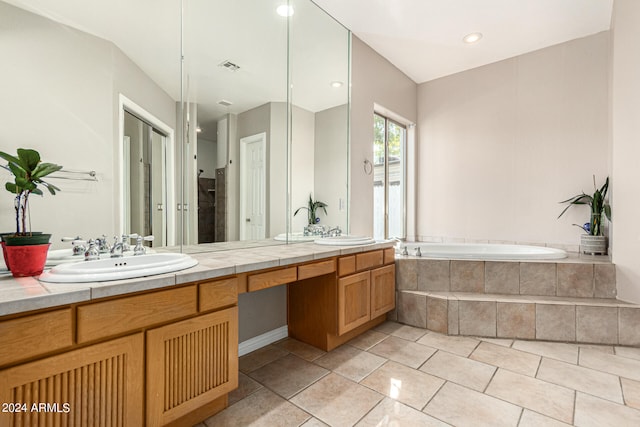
345,240
295,237
127,267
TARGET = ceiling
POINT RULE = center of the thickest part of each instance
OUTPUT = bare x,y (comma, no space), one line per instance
423,38
248,33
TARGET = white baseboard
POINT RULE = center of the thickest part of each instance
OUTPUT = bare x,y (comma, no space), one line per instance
263,340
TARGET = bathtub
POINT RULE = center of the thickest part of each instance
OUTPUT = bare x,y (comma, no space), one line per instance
481,251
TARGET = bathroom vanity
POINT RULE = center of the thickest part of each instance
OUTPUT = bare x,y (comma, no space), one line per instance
163,350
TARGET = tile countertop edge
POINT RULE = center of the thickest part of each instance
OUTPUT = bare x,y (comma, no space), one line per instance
50,297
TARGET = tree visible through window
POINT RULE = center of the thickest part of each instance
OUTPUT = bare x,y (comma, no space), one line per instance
389,178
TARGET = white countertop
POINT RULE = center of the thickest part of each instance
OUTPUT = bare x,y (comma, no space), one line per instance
19,295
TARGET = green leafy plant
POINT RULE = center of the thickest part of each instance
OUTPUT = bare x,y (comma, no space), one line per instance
599,207
28,171
312,208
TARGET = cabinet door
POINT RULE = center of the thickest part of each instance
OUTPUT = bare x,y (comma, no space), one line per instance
354,308
191,363
99,385
383,290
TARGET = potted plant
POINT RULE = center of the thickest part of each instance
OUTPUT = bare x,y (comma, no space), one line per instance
594,242
312,208
25,251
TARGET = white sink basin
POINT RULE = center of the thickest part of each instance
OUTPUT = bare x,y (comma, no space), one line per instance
126,267
62,256
345,240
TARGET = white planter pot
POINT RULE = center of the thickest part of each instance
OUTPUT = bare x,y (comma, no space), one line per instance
593,245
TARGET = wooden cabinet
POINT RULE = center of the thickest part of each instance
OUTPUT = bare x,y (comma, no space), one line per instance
365,296
98,385
383,290
35,335
354,306
329,310
273,278
190,364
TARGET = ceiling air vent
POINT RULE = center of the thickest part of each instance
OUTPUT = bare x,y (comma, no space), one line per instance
224,102
229,65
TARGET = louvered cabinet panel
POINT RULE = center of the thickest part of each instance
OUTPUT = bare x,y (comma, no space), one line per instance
99,385
191,363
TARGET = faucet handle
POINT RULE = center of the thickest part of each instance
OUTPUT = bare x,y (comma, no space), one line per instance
92,252
140,249
70,239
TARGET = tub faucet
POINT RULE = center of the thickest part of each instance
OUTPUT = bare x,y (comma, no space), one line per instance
418,252
405,252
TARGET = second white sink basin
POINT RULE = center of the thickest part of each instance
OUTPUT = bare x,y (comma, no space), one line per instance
126,267
345,240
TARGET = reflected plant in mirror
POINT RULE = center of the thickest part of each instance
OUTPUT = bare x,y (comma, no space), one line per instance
312,208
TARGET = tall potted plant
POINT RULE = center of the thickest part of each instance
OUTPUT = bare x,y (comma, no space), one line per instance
25,251
594,242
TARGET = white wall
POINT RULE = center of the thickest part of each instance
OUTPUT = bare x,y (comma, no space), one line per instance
501,145
330,164
374,81
207,157
626,147
60,91
302,166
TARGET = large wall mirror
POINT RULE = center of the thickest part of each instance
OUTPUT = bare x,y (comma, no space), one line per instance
267,98
220,146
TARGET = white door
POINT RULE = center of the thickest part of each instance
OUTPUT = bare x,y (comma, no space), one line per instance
253,187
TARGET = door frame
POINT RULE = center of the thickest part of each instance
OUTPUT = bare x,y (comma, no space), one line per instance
125,103
262,139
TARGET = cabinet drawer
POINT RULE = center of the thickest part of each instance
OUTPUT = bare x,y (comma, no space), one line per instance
346,265
316,269
218,293
369,260
114,317
389,255
272,278
37,334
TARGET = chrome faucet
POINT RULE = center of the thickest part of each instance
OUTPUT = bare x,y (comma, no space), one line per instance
418,252
333,232
139,248
92,253
103,246
78,246
117,248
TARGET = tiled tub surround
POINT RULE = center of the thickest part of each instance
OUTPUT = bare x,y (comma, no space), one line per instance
571,300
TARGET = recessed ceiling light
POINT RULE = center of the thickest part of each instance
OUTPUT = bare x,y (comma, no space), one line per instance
336,84
285,10
472,38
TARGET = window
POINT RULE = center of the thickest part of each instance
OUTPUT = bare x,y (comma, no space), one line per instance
388,178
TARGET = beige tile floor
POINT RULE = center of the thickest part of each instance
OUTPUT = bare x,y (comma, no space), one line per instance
398,375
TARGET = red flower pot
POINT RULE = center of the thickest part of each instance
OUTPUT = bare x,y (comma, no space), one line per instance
26,261
4,254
